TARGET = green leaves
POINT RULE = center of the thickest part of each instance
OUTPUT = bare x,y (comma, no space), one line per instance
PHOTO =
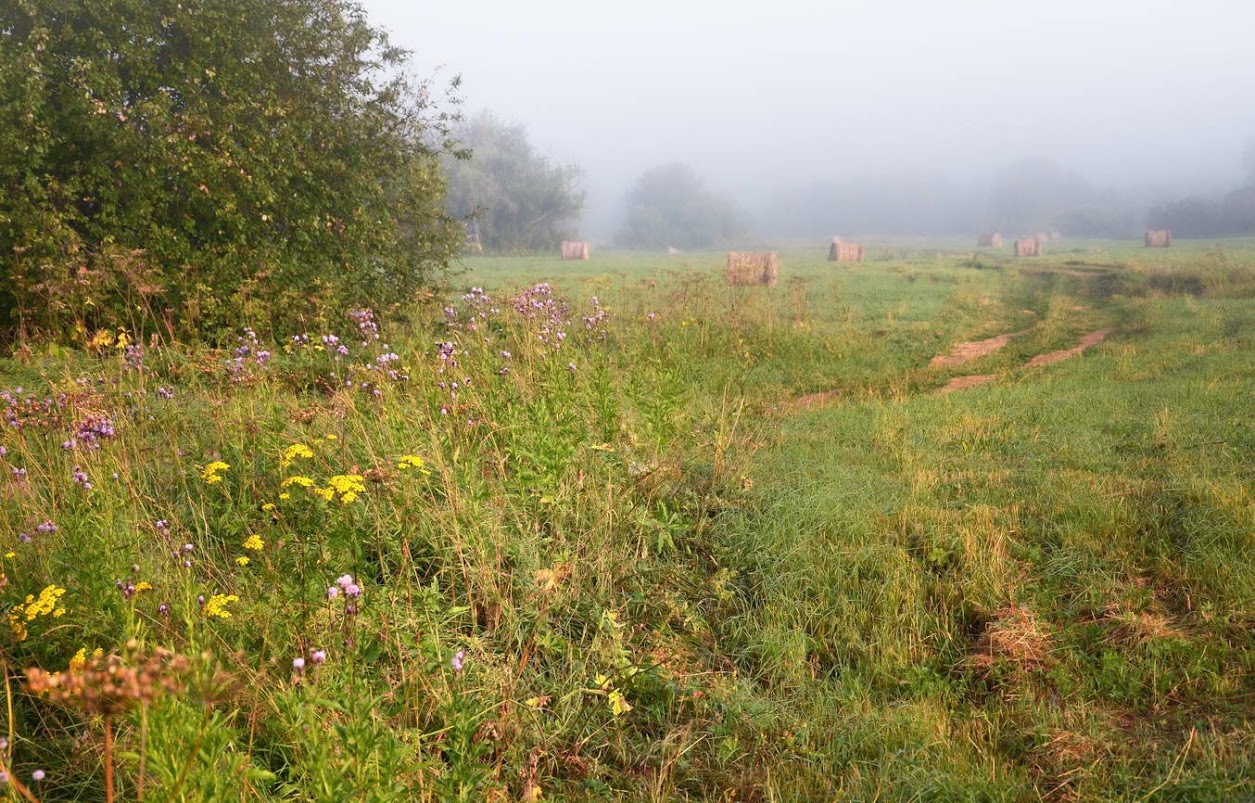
237,145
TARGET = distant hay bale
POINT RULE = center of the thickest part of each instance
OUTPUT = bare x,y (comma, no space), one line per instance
840,251
1030,247
1041,237
672,251
576,250
1158,238
1056,235
991,239
749,268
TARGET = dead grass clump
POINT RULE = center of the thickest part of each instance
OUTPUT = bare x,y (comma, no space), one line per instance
751,268
1129,628
1015,637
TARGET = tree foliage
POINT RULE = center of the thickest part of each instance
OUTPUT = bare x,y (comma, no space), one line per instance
669,206
514,197
210,163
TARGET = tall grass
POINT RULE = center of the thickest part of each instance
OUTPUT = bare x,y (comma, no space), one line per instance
583,542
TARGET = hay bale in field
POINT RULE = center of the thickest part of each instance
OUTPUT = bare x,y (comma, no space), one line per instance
576,250
1056,235
1158,238
672,251
990,239
750,268
840,251
1041,237
1030,247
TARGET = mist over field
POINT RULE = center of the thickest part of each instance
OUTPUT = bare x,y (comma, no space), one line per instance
907,118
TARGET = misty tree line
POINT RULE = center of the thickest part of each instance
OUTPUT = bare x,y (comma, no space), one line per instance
669,205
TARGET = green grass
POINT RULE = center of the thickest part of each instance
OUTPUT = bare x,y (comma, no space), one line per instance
671,570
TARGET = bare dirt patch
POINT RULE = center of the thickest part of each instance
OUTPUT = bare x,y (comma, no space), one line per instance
966,352
1089,341
963,382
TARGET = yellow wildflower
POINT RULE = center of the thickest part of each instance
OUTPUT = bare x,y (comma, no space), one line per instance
346,486
412,461
33,608
10,554
47,602
254,542
285,495
80,658
269,506
304,482
294,451
142,587
242,560
217,605
333,437
618,705
212,472
101,339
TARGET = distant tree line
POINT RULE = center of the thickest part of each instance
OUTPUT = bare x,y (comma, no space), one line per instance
1226,215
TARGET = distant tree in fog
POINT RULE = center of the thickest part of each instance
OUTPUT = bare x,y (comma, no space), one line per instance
1029,194
669,206
1228,215
518,199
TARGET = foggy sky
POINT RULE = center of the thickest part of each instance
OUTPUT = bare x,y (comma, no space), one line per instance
1151,95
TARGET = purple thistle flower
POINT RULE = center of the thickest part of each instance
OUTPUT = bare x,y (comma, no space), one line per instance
298,664
318,656
458,658
39,775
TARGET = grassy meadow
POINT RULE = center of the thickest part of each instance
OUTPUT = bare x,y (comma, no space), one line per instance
614,530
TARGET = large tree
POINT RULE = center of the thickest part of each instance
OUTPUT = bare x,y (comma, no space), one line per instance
210,162
669,206
512,195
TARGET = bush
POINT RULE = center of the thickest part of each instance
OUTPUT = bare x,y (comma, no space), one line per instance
190,166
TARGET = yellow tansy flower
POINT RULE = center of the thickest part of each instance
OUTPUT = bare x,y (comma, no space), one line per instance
242,560
304,482
254,542
213,471
217,605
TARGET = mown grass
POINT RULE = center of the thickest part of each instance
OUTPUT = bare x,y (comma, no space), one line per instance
721,543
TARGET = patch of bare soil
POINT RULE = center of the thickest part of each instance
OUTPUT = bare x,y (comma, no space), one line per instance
963,382
966,352
1089,341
